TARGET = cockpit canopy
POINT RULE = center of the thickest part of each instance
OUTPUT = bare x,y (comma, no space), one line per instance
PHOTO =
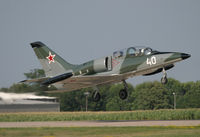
139,51
133,51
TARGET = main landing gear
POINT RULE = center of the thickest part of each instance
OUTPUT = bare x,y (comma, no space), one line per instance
96,95
164,79
123,94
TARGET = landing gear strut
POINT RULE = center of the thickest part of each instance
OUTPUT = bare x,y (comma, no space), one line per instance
123,92
164,79
96,95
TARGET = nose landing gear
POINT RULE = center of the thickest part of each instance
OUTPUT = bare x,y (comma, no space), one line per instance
164,79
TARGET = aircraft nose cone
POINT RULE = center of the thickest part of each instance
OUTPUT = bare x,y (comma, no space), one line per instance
185,56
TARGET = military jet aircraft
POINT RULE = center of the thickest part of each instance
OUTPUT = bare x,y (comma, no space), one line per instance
118,67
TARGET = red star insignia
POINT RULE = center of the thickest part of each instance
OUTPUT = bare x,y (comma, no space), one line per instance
50,57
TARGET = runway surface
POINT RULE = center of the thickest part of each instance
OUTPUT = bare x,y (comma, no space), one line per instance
100,123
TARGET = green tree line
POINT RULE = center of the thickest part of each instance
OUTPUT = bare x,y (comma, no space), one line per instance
145,96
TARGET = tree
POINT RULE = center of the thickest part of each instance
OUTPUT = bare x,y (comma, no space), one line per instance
114,103
151,95
24,88
192,95
72,101
35,73
20,88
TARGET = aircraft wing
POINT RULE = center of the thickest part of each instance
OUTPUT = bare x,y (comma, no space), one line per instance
69,82
78,82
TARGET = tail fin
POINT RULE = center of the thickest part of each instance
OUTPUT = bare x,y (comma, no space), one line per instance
51,62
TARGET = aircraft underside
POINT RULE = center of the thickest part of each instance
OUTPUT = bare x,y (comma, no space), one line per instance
79,82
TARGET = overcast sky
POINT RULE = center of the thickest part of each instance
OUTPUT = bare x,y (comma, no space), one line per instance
81,30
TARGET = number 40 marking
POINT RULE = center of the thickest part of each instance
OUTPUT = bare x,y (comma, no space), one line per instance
151,61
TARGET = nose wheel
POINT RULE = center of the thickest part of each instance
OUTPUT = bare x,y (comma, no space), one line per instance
123,94
164,79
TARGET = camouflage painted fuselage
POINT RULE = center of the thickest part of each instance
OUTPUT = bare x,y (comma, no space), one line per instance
119,66
145,64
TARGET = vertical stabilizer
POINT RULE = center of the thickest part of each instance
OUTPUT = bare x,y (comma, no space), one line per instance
51,62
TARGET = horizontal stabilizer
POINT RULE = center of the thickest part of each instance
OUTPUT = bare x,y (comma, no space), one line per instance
57,78
49,80
37,80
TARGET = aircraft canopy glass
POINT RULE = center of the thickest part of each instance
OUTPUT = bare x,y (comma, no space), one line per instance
120,53
139,51
133,51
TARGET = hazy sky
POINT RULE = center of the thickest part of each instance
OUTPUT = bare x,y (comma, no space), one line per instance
81,30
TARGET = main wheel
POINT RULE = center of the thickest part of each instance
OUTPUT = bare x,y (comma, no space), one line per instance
96,96
123,94
164,80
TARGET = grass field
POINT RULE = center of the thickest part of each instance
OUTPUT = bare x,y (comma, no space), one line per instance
179,114
102,132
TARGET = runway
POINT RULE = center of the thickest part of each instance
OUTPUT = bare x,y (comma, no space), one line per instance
99,123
